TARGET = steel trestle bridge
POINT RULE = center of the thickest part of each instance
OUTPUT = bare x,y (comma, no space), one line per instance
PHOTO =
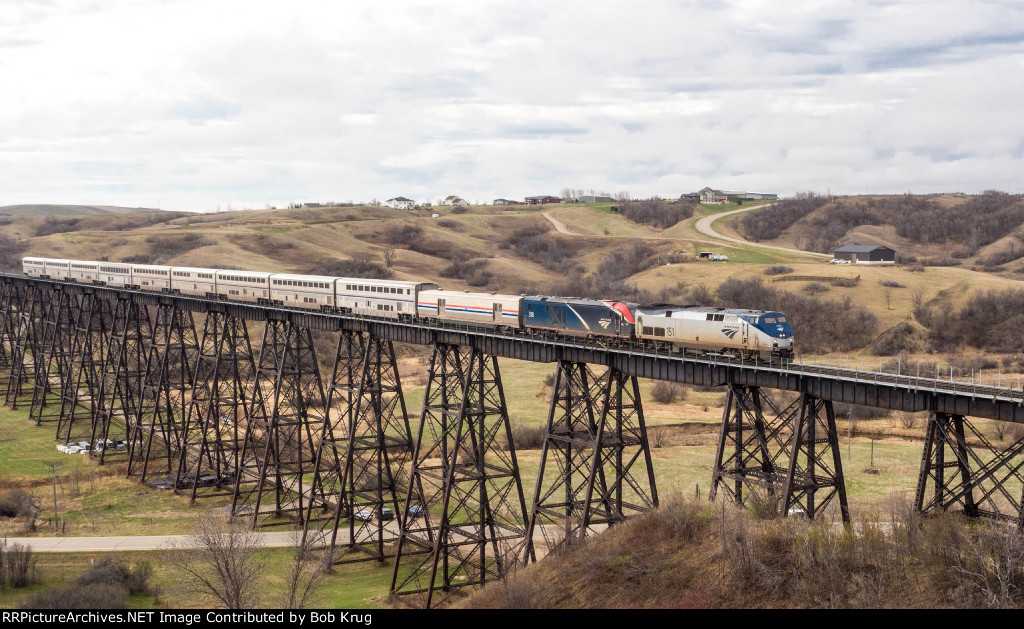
298,417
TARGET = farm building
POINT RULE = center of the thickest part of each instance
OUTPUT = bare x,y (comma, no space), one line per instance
865,254
506,202
592,198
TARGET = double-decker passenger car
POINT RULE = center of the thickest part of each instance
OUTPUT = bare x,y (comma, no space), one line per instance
393,299
303,291
113,274
251,286
34,267
151,277
84,272
194,281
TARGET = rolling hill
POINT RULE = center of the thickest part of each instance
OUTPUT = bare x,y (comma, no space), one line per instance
44,210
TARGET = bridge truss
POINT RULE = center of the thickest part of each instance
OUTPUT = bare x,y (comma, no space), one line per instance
312,431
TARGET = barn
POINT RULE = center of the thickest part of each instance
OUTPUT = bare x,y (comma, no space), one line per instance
865,254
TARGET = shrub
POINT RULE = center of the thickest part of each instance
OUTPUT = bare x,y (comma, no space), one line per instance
138,258
667,392
769,223
656,211
844,282
891,283
92,596
58,226
163,248
778,269
11,251
814,288
528,437
18,503
473,271
113,571
361,265
17,565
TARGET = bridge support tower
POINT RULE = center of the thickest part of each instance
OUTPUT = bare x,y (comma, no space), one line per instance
464,520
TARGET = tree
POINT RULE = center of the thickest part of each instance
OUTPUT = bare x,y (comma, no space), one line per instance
389,256
220,559
306,574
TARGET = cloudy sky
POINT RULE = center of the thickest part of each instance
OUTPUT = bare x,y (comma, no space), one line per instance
200,105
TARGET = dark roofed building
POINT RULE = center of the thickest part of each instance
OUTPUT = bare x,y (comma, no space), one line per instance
865,254
541,200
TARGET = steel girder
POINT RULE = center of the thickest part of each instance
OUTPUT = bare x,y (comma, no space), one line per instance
57,333
26,353
967,472
595,436
278,451
361,466
81,384
815,474
464,521
752,451
218,408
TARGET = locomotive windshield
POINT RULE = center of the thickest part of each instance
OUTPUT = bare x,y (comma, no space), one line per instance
773,324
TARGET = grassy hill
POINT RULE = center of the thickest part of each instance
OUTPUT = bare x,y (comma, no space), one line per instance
43,210
517,249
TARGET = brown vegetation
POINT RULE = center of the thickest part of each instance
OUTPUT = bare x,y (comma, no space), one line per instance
694,554
657,212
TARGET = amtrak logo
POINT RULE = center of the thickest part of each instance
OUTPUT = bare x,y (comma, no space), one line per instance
605,323
730,332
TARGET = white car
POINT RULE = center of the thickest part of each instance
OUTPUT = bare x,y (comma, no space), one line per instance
838,261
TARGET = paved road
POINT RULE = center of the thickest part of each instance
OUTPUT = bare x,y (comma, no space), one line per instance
126,542
704,226
156,542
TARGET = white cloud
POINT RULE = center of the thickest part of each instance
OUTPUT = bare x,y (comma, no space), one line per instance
193,105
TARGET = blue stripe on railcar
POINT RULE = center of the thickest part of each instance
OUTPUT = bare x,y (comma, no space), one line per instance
574,316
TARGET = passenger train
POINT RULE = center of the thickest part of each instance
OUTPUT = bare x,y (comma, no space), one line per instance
694,329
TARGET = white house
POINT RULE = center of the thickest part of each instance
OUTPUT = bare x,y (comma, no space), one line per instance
401,203
454,200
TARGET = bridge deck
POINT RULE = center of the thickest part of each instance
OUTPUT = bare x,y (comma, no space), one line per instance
866,388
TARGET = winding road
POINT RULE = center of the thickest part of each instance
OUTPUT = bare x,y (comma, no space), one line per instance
704,226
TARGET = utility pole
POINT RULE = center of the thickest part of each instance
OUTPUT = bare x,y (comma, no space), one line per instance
52,467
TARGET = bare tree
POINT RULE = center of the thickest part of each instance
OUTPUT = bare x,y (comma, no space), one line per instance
566,194
306,574
389,256
220,559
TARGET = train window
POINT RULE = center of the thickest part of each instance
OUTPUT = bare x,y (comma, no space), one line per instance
711,317
782,319
769,319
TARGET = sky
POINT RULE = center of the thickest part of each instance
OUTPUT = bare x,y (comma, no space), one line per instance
216,104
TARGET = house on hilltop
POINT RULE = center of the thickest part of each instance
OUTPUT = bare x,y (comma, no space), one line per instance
541,200
401,203
454,200
505,202
710,195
